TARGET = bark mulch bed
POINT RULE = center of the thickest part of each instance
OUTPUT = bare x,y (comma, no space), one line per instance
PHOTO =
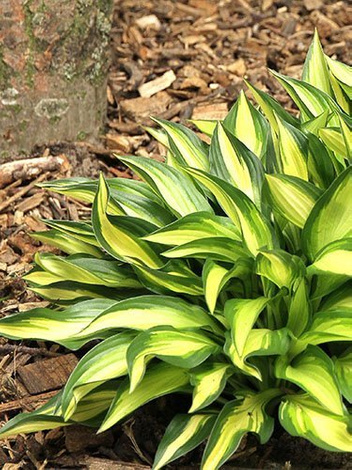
178,60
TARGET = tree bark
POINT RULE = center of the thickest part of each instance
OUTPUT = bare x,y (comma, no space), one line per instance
53,68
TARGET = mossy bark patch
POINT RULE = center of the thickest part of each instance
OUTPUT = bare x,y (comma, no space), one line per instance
54,57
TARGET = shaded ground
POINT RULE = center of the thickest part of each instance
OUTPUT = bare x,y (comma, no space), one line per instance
206,47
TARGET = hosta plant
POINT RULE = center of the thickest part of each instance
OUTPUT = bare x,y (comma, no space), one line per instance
224,274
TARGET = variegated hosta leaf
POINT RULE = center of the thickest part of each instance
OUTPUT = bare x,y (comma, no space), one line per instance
315,124
83,269
260,342
342,73
346,130
299,312
256,231
302,416
248,125
321,163
159,134
207,126
343,371
237,418
106,361
215,277
339,298
279,267
270,107
144,312
208,380
310,100
175,188
242,315
159,380
334,140
121,241
292,197
185,349
68,244
219,249
194,227
331,217
67,292
335,258
293,148
174,277
187,147
315,70
332,325
50,325
313,371
89,412
80,230
232,161
183,434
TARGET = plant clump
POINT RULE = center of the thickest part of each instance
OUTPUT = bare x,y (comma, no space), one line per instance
224,274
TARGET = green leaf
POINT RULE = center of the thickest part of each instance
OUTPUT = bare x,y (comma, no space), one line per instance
260,342
49,416
194,227
85,270
174,277
232,161
175,187
50,325
242,315
331,217
248,125
342,73
279,267
335,258
320,163
148,311
186,349
220,249
339,298
256,230
215,278
302,416
292,197
67,243
310,100
270,107
293,148
343,370
237,418
299,313
313,371
119,241
207,126
187,147
182,435
208,380
105,361
334,140
332,325
159,380
315,70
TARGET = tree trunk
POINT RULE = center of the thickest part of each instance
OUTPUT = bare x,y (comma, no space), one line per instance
53,67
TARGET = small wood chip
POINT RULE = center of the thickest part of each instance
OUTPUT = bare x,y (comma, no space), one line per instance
210,111
47,375
149,22
158,84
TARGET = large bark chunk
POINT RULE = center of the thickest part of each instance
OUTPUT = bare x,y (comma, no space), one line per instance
53,64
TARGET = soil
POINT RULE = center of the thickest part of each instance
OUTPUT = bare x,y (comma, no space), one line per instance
210,46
